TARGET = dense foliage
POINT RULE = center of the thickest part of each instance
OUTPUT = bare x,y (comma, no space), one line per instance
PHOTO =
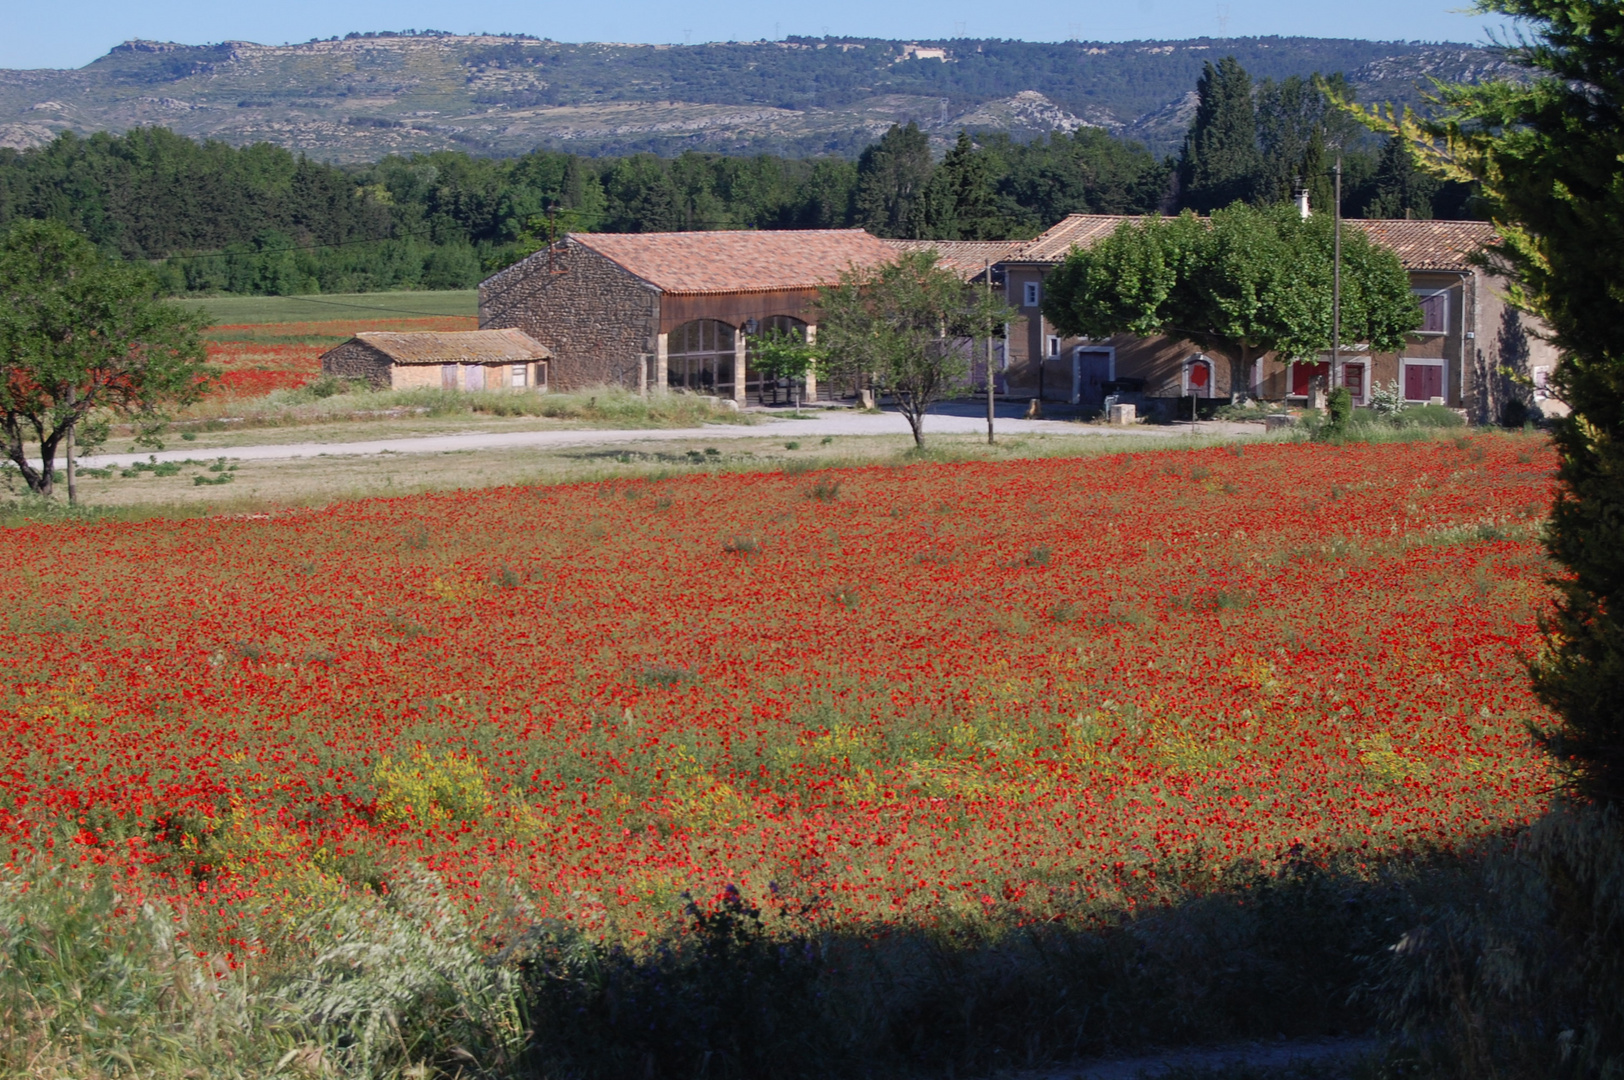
83,337
1548,154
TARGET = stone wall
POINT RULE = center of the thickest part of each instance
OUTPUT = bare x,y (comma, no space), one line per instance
357,360
599,321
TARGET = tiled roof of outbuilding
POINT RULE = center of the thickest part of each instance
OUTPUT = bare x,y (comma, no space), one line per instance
967,258
737,261
1419,245
458,347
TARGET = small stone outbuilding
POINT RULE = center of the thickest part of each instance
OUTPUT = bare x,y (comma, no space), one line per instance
459,360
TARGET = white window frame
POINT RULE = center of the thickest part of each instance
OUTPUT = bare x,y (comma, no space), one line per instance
1424,293
1051,347
1212,374
1406,363
1031,293
519,375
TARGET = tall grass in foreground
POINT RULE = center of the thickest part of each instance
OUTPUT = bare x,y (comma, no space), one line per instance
401,985
1505,963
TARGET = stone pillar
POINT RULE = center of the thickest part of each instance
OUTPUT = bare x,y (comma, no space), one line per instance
812,372
662,361
741,346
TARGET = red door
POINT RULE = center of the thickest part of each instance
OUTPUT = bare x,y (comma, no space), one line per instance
1423,382
1303,376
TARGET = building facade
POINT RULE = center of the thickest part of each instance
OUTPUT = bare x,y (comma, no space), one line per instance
670,310
465,360
1473,352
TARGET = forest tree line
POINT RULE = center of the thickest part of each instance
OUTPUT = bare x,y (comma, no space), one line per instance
260,220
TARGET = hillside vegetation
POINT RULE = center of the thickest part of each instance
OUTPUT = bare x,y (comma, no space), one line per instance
367,95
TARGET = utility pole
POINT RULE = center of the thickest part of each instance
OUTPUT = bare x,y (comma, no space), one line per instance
1336,281
987,272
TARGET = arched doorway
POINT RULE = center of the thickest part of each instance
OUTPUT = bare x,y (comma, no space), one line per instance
699,357
765,389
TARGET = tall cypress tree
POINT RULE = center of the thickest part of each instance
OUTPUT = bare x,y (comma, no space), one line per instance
961,201
1220,162
1399,189
891,176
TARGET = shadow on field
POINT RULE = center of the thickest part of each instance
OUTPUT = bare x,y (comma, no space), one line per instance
749,994
1506,962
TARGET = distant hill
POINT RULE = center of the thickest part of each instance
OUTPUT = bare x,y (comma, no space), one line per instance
364,96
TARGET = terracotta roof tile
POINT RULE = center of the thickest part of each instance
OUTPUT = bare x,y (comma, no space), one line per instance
967,258
1429,245
1077,230
737,261
1419,245
458,347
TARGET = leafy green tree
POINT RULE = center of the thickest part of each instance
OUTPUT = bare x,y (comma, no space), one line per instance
1548,154
1220,163
907,327
1300,132
1087,172
82,338
784,354
891,177
827,195
1239,284
641,196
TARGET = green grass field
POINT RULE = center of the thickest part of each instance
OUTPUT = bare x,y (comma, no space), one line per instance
243,310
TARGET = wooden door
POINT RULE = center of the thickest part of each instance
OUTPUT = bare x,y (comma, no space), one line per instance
448,376
1091,370
474,377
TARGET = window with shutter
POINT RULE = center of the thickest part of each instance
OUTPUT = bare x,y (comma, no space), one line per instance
1434,311
1423,382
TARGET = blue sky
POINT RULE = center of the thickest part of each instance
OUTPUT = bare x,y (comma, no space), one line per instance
74,32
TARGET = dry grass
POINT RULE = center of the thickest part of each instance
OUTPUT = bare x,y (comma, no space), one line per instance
288,482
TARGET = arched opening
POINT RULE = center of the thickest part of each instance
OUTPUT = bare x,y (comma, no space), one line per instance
699,357
772,390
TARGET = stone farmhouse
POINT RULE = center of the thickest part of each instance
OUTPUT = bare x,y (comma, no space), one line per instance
1468,338
675,310
465,360
650,310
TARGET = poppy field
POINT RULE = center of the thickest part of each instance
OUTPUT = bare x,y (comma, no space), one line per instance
894,694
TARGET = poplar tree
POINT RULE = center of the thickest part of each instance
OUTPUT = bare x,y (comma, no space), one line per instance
1220,163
